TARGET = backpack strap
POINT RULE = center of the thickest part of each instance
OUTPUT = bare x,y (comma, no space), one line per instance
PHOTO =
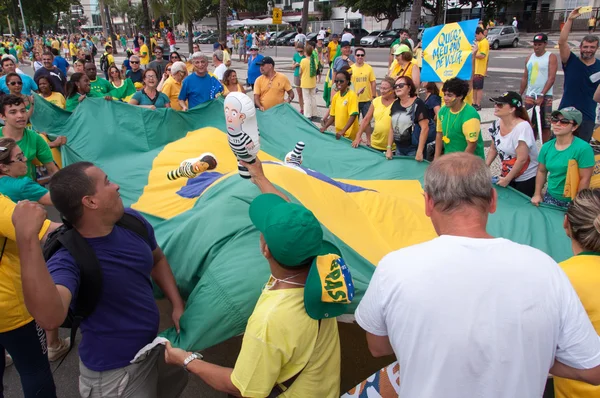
134,224
277,389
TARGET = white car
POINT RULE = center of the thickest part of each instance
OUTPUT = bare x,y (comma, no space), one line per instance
371,39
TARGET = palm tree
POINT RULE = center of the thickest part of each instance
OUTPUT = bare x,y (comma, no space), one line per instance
415,19
223,10
146,25
305,16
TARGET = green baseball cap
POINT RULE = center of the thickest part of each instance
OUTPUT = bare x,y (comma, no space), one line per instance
294,235
291,231
402,48
569,113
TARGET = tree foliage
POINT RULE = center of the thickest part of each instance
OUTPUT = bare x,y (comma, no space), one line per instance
379,9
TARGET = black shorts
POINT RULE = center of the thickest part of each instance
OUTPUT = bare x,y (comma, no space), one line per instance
478,82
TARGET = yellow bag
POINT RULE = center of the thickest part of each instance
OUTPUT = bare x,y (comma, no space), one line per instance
572,181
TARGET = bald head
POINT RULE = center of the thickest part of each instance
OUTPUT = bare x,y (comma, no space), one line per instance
459,180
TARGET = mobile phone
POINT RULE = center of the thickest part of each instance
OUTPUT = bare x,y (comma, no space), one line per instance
585,9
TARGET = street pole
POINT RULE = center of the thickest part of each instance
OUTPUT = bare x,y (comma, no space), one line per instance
23,17
9,27
172,19
276,37
445,8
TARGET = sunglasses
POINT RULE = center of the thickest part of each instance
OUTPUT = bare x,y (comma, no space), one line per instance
564,122
168,69
360,55
340,81
134,62
499,104
400,85
16,83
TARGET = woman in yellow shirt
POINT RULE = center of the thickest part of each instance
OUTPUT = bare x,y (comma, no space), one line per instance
231,83
308,82
404,65
344,108
582,225
380,109
47,91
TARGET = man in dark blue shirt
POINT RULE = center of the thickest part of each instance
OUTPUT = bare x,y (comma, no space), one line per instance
199,86
582,76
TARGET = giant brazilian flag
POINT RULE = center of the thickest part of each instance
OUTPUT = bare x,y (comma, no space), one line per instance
368,206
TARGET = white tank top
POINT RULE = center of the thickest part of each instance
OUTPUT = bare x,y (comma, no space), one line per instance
537,72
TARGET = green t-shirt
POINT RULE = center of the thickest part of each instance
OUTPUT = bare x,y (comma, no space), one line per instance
397,41
33,147
100,86
21,189
557,163
297,58
460,128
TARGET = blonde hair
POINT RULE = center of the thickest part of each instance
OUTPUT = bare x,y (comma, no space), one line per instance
584,219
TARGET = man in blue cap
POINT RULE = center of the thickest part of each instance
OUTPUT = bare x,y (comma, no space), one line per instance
291,344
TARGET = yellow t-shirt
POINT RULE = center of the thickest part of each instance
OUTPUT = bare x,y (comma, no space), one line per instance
383,122
226,90
226,57
57,99
280,339
396,69
171,89
342,107
56,44
144,59
583,271
332,50
72,49
272,91
483,47
110,58
12,304
305,80
362,76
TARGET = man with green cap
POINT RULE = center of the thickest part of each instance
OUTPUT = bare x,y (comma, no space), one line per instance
291,345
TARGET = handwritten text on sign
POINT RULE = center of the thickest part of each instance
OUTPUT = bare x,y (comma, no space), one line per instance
448,50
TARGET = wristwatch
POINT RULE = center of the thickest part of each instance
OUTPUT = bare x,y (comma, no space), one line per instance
193,356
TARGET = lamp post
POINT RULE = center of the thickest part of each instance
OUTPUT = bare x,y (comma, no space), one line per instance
23,17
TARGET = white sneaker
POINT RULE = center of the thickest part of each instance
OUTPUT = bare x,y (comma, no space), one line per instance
7,359
56,353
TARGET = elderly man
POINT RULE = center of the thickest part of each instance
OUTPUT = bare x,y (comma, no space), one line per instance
58,79
346,60
582,76
217,60
199,86
135,73
479,316
271,86
8,66
172,86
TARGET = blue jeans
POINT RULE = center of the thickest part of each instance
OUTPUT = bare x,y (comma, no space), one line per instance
405,151
27,346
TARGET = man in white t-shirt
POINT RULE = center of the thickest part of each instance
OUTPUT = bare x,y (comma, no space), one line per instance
322,33
470,315
347,36
300,38
220,67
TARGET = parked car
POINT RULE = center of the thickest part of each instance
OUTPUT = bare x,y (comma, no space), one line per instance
200,37
386,39
283,40
213,37
499,36
371,39
309,37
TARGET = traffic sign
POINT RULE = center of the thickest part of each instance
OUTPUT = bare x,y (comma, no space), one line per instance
277,14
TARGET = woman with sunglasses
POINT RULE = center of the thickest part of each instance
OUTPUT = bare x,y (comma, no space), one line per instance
513,139
231,83
559,154
380,110
122,89
582,226
344,108
166,74
149,97
172,86
411,124
174,57
15,85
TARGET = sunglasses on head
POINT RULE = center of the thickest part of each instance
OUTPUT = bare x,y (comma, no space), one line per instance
564,122
400,85
340,81
16,83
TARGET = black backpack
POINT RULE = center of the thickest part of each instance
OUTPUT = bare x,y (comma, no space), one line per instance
90,272
104,62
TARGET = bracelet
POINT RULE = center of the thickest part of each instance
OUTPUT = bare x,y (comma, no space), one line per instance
389,147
